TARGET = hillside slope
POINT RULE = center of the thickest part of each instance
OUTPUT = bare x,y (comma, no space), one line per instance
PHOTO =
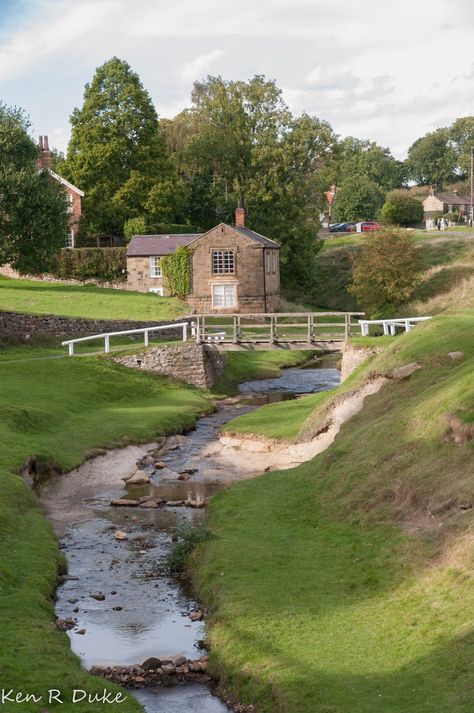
345,585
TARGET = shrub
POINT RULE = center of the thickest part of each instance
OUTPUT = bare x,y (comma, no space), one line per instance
386,272
358,198
91,263
186,538
401,208
134,226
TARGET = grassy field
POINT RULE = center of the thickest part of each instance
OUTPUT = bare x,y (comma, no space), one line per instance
85,301
346,585
59,410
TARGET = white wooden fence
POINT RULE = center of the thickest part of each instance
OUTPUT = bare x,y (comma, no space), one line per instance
107,335
390,325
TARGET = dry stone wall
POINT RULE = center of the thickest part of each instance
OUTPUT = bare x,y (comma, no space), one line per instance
197,364
22,326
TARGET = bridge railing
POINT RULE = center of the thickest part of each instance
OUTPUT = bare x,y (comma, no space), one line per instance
390,326
272,328
106,336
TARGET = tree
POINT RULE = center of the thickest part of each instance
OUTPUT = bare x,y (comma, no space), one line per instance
386,272
401,208
117,149
33,211
358,198
358,157
134,226
432,159
462,135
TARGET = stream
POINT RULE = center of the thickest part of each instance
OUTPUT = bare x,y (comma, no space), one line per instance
138,610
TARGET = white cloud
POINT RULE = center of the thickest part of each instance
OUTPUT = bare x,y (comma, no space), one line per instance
371,73
199,65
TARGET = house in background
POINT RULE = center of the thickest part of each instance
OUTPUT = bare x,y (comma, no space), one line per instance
233,268
73,194
439,202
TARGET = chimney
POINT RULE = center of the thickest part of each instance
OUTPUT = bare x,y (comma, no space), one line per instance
44,159
240,214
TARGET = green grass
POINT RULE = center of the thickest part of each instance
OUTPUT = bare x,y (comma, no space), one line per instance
85,301
243,366
282,420
59,410
331,587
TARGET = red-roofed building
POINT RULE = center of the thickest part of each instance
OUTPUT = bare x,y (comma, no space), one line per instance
233,268
73,194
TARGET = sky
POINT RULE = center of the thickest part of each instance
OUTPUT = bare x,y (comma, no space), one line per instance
384,70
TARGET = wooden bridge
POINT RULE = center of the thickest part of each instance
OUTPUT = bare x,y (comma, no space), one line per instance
282,330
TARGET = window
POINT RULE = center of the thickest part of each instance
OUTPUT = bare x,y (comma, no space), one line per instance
155,266
70,239
224,295
223,262
271,262
69,207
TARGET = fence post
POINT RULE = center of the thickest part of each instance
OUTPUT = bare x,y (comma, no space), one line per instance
71,348
234,336
185,332
347,326
145,337
107,343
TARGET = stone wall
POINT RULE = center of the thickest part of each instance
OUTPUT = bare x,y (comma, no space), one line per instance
354,356
8,271
198,364
20,325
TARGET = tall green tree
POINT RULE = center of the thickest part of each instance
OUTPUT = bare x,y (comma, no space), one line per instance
462,135
358,157
432,159
33,210
358,198
117,149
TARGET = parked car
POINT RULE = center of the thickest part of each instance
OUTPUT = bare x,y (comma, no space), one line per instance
369,227
341,227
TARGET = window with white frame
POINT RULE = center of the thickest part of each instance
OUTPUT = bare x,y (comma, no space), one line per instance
224,294
70,239
223,262
155,266
69,203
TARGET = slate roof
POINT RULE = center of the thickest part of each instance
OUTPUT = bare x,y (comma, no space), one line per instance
452,198
145,245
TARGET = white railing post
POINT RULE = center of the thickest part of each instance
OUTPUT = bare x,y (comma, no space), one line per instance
71,348
185,332
145,337
107,343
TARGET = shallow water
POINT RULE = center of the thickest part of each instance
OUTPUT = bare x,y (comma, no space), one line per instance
145,610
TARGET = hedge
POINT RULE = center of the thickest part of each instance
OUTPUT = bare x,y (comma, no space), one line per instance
91,263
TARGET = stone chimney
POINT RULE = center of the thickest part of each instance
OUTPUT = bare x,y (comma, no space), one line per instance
240,215
44,159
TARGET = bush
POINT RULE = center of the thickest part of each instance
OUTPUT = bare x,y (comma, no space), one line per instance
358,198
401,208
91,263
386,272
134,226
186,538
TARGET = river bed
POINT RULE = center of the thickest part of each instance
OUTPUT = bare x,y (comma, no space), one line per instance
126,605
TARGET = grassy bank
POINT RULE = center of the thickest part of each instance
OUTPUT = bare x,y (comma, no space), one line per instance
58,410
345,585
85,301
243,366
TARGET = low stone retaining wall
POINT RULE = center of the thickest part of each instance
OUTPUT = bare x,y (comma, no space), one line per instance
23,326
8,271
197,364
354,356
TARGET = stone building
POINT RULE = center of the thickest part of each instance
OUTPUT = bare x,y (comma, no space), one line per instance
438,202
74,195
233,268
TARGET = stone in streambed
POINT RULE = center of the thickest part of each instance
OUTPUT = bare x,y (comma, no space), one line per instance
99,596
124,502
119,535
138,478
65,624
